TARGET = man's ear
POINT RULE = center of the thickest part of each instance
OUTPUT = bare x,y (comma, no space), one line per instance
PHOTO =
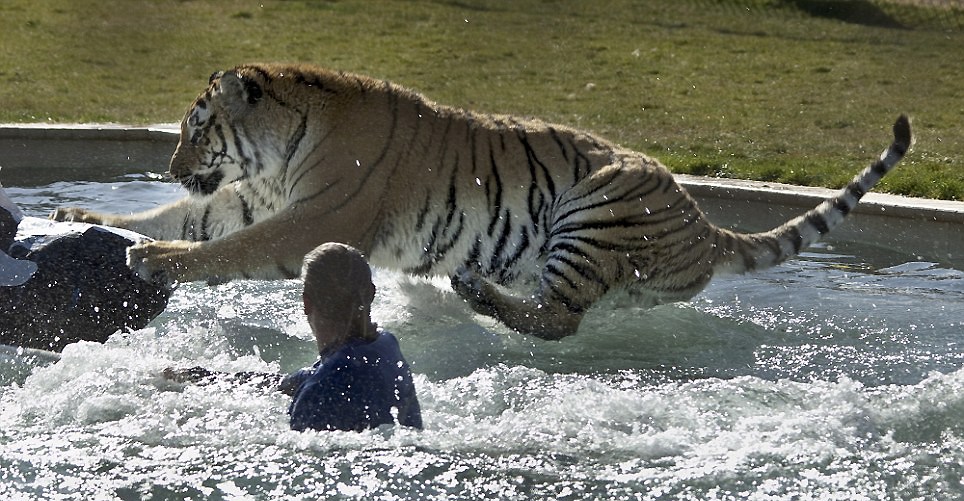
307,302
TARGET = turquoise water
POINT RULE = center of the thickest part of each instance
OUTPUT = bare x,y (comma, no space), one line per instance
835,376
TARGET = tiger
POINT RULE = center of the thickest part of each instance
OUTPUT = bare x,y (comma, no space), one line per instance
533,222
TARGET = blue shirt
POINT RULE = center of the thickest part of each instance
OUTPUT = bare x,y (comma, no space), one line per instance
359,386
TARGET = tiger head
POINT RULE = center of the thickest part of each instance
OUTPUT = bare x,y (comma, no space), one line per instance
239,127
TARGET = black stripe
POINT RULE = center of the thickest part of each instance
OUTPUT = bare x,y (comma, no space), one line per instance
536,198
295,142
519,250
246,216
451,201
774,244
536,206
204,224
421,269
432,238
185,225
552,269
315,82
495,262
600,184
408,150
239,147
373,166
317,193
562,146
900,149
597,243
442,250
423,214
749,261
434,251
683,254
796,238
856,190
635,220
662,184
472,133
818,222
565,300
569,248
219,132
438,251
616,198
494,199
280,268
304,168
584,271
473,256
841,205
879,168
579,174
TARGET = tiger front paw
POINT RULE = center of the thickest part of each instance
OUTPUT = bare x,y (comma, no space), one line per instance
163,262
76,214
473,289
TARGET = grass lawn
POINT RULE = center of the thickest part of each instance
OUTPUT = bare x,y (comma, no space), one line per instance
739,88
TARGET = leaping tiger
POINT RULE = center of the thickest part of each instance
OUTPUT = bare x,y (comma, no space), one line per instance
279,159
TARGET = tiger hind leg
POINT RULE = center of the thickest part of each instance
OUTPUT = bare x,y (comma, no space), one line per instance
531,315
572,279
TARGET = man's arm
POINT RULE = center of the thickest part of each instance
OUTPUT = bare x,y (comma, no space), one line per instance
200,375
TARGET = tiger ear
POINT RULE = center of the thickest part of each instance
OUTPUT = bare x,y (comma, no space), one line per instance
230,85
240,90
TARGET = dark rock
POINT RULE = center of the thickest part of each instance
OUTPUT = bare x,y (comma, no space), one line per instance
8,229
82,290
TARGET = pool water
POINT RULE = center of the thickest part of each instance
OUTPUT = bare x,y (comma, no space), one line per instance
838,375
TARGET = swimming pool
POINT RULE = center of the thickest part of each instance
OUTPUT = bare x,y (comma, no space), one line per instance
835,376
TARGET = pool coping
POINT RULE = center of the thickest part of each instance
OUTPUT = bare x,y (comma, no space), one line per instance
932,230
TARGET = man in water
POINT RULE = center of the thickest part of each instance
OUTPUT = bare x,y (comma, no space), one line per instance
361,380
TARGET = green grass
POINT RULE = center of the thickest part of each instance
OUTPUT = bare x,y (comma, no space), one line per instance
739,88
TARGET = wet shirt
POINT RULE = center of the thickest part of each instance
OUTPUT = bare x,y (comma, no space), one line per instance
359,386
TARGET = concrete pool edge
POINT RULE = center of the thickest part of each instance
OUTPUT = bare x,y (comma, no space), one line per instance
42,153
932,230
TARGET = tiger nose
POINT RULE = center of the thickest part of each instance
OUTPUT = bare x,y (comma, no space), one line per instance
182,162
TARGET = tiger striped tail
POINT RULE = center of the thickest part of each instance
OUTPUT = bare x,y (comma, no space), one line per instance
746,252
